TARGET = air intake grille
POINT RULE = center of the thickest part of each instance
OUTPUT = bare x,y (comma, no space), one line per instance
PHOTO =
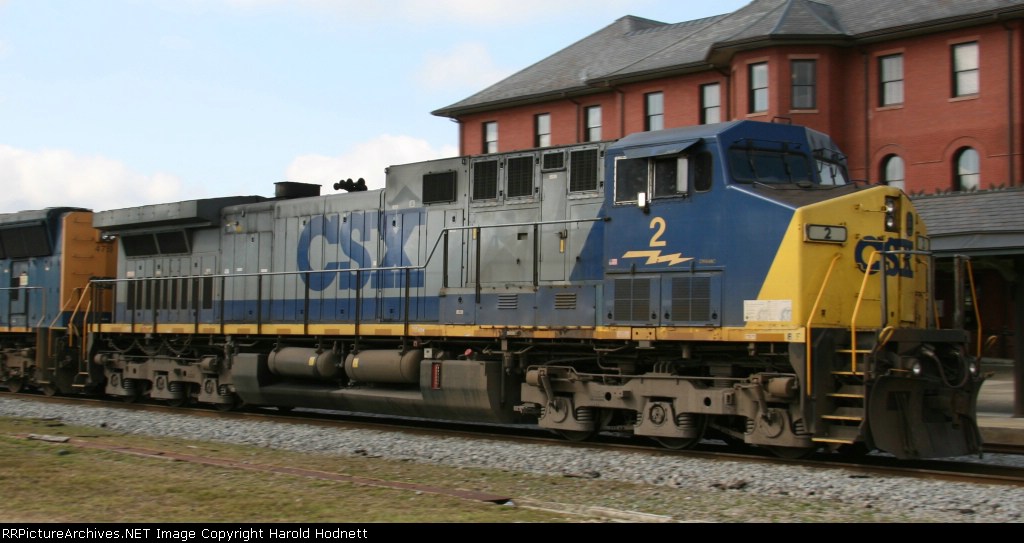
439,187
691,299
508,301
632,300
583,170
553,161
485,180
565,301
520,176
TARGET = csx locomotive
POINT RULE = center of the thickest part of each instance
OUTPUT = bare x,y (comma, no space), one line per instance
723,281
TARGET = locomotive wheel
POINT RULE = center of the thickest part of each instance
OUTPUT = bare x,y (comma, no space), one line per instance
185,399
677,443
178,402
680,443
15,385
50,390
855,450
576,435
792,453
235,403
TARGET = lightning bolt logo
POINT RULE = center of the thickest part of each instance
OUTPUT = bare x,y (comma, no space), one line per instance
655,257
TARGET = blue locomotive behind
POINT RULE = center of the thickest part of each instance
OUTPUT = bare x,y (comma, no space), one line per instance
723,280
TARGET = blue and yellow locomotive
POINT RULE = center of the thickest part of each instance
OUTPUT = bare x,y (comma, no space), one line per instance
724,280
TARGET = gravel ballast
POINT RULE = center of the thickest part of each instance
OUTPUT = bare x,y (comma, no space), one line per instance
691,488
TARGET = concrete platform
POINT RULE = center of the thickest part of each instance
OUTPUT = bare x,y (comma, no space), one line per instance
995,406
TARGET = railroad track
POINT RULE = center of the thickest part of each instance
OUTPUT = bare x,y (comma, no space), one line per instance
955,470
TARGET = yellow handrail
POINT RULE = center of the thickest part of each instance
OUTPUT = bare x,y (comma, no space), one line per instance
810,318
856,310
974,302
71,329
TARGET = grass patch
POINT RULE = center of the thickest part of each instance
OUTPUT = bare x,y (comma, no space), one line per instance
52,482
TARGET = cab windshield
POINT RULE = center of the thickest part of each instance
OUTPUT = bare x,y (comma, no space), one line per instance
771,167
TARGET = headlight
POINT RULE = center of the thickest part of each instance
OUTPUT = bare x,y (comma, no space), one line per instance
892,214
973,368
916,369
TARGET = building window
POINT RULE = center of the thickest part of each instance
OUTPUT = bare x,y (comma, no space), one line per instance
967,175
890,78
892,172
758,100
654,111
490,137
804,75
965,69
710,103
542,126
593,123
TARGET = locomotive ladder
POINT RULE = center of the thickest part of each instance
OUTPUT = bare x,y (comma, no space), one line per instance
82,377
842,420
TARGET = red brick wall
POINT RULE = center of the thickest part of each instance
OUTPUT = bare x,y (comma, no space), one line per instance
927,130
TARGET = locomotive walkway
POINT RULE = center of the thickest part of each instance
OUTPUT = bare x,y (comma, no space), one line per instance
995,406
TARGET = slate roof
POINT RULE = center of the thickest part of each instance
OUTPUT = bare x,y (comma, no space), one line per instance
975,223
634,48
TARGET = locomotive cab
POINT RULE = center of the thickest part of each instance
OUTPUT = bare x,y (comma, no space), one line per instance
767,300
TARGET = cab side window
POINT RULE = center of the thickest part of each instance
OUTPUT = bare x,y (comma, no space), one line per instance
630,179
662,177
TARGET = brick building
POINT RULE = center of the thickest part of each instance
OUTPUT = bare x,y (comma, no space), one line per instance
920,93
925,95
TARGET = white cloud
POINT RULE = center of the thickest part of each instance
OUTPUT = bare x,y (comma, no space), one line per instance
366,160
467,65
54,178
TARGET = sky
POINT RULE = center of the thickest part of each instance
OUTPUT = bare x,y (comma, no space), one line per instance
107,104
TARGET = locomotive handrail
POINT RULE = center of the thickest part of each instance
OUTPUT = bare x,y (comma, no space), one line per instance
28,306
74,312
884,296
885,284
198,301
810,319
856,308
974,302
443,235
66,304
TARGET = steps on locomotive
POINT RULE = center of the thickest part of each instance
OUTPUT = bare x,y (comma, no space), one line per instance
842,424
81,380
841,420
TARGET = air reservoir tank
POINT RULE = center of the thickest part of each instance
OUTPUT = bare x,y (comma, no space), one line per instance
305,363
385,366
